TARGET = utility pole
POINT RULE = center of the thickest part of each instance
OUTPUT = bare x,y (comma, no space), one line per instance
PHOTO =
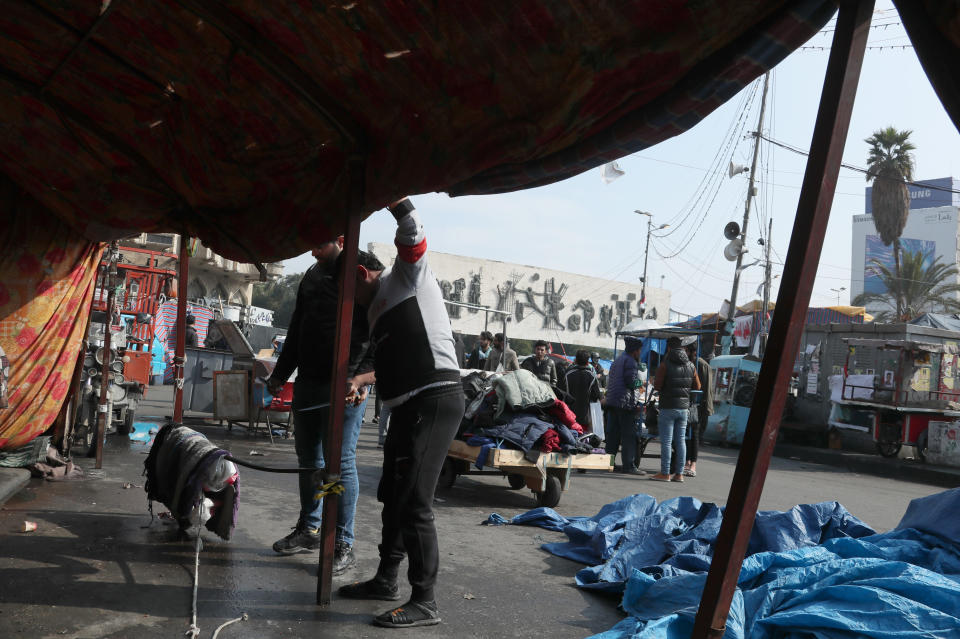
767,282
646,255
732,312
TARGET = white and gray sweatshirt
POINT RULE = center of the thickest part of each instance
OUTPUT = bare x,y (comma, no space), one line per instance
409,326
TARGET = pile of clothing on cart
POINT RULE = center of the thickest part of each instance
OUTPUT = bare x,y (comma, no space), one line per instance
191,477
518,411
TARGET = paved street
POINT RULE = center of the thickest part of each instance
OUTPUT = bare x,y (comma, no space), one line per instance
91,569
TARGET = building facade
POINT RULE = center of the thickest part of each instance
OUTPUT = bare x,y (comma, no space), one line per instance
932,229
212,279
538,303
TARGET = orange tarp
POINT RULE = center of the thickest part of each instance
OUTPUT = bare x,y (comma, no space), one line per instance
47,273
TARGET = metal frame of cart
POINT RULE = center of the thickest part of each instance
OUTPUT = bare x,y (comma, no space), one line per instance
894,407
548,477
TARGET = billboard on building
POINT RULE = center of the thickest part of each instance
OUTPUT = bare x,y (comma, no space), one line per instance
926,194
876,254
539,303
932,231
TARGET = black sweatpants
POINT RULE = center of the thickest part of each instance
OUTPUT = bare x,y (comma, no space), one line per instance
421,430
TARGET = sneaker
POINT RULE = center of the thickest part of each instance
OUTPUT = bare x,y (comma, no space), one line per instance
371,589
375,420
410,615
343,558
302,538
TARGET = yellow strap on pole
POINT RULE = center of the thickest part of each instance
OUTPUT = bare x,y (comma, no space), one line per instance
333,488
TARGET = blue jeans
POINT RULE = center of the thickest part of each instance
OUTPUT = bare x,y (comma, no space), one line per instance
310,429
672,424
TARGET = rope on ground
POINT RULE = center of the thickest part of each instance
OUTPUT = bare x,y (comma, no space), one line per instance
216,632
194,630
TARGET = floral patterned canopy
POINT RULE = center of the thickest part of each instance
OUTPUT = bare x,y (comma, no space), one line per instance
235,119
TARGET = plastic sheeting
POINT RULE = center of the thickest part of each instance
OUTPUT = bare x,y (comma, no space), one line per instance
812,571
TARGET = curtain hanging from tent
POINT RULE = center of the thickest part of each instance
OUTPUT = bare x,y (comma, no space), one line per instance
47,273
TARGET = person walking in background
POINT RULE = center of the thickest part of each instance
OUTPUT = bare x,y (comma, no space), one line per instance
480,353
674,380
702,408
309,349
622,405
598,369
191,332
509,357
417,371
540,365
580,383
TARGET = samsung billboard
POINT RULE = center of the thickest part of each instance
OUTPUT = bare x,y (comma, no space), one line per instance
926,194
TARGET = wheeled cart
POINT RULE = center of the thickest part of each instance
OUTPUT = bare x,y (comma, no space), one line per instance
548,477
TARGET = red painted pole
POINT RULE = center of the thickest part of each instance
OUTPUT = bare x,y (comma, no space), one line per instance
178,359
806,241
338,380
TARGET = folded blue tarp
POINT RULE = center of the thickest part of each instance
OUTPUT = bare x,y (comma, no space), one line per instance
812,571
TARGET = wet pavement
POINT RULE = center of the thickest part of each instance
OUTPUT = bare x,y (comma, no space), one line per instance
97,567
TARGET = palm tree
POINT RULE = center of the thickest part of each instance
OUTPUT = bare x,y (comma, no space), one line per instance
922,288
890,165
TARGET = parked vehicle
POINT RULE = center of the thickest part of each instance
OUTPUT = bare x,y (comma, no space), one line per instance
123,394
734,384
915,383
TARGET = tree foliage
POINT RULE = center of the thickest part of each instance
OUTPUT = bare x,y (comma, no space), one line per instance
279,296
890,166
922,289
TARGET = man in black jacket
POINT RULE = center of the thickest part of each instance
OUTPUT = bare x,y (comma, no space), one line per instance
580,382
309,350
541,365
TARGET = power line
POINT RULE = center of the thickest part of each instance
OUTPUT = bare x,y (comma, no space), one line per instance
880,48
859,169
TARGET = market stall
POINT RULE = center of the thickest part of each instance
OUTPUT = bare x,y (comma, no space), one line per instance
265,128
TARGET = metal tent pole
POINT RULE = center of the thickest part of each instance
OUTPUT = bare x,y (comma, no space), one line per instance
183,270
810,225
338,379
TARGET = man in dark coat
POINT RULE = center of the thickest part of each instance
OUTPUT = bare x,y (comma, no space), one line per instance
581,384
540,365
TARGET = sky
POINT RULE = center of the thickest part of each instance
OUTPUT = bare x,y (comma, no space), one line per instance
583,225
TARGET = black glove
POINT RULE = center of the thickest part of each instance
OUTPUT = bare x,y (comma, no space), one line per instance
401,208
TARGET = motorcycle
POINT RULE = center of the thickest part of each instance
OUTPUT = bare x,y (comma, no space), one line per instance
123,395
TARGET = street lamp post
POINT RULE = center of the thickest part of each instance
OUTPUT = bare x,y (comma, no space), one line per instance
837,291
646,255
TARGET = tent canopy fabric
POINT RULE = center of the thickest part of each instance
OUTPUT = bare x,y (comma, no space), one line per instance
949,322
236,120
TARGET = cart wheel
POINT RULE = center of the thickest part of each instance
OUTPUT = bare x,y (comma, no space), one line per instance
126,427
551,496
888,449
448,474
922,446
516,481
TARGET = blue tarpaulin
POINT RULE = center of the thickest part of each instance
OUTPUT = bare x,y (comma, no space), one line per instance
812,571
